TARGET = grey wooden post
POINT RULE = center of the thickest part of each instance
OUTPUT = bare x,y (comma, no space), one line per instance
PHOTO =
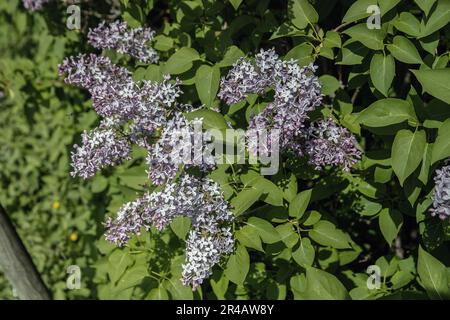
16,263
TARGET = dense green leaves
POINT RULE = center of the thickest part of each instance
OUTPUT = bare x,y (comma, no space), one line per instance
438,18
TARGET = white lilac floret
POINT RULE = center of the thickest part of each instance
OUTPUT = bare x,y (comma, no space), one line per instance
117,36
441,194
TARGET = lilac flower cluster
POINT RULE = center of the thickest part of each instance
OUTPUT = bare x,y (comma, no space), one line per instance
147,114
118,37
101,147
329,144
297,92
182,142
34,5
441,194
199,199
137,110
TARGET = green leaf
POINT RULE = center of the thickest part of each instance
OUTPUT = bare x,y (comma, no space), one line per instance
132,277
207,80
386,112
246,236
425,5
404,50
329,84
352,53
305,253
438,19
326,234
433,276
303,13
219,285
382,72
119,261
372,39
358,10
181,226
332,40
426,163
158,294
181,61
435,82
390,222
287,234
163,43
232,54
244,200
177,290
264,229
272,193
99,184
298,205
238,265
441,148
302,53
387,5
322,285
407,152
408,24
211,119
235,3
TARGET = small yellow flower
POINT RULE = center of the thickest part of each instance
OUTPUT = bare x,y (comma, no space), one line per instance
56,205
74,236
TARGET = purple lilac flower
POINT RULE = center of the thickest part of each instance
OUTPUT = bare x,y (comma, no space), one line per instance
182,142
199,199
116,94
203,253
117,36
34,5
101,147
329,144
297,92
441,194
